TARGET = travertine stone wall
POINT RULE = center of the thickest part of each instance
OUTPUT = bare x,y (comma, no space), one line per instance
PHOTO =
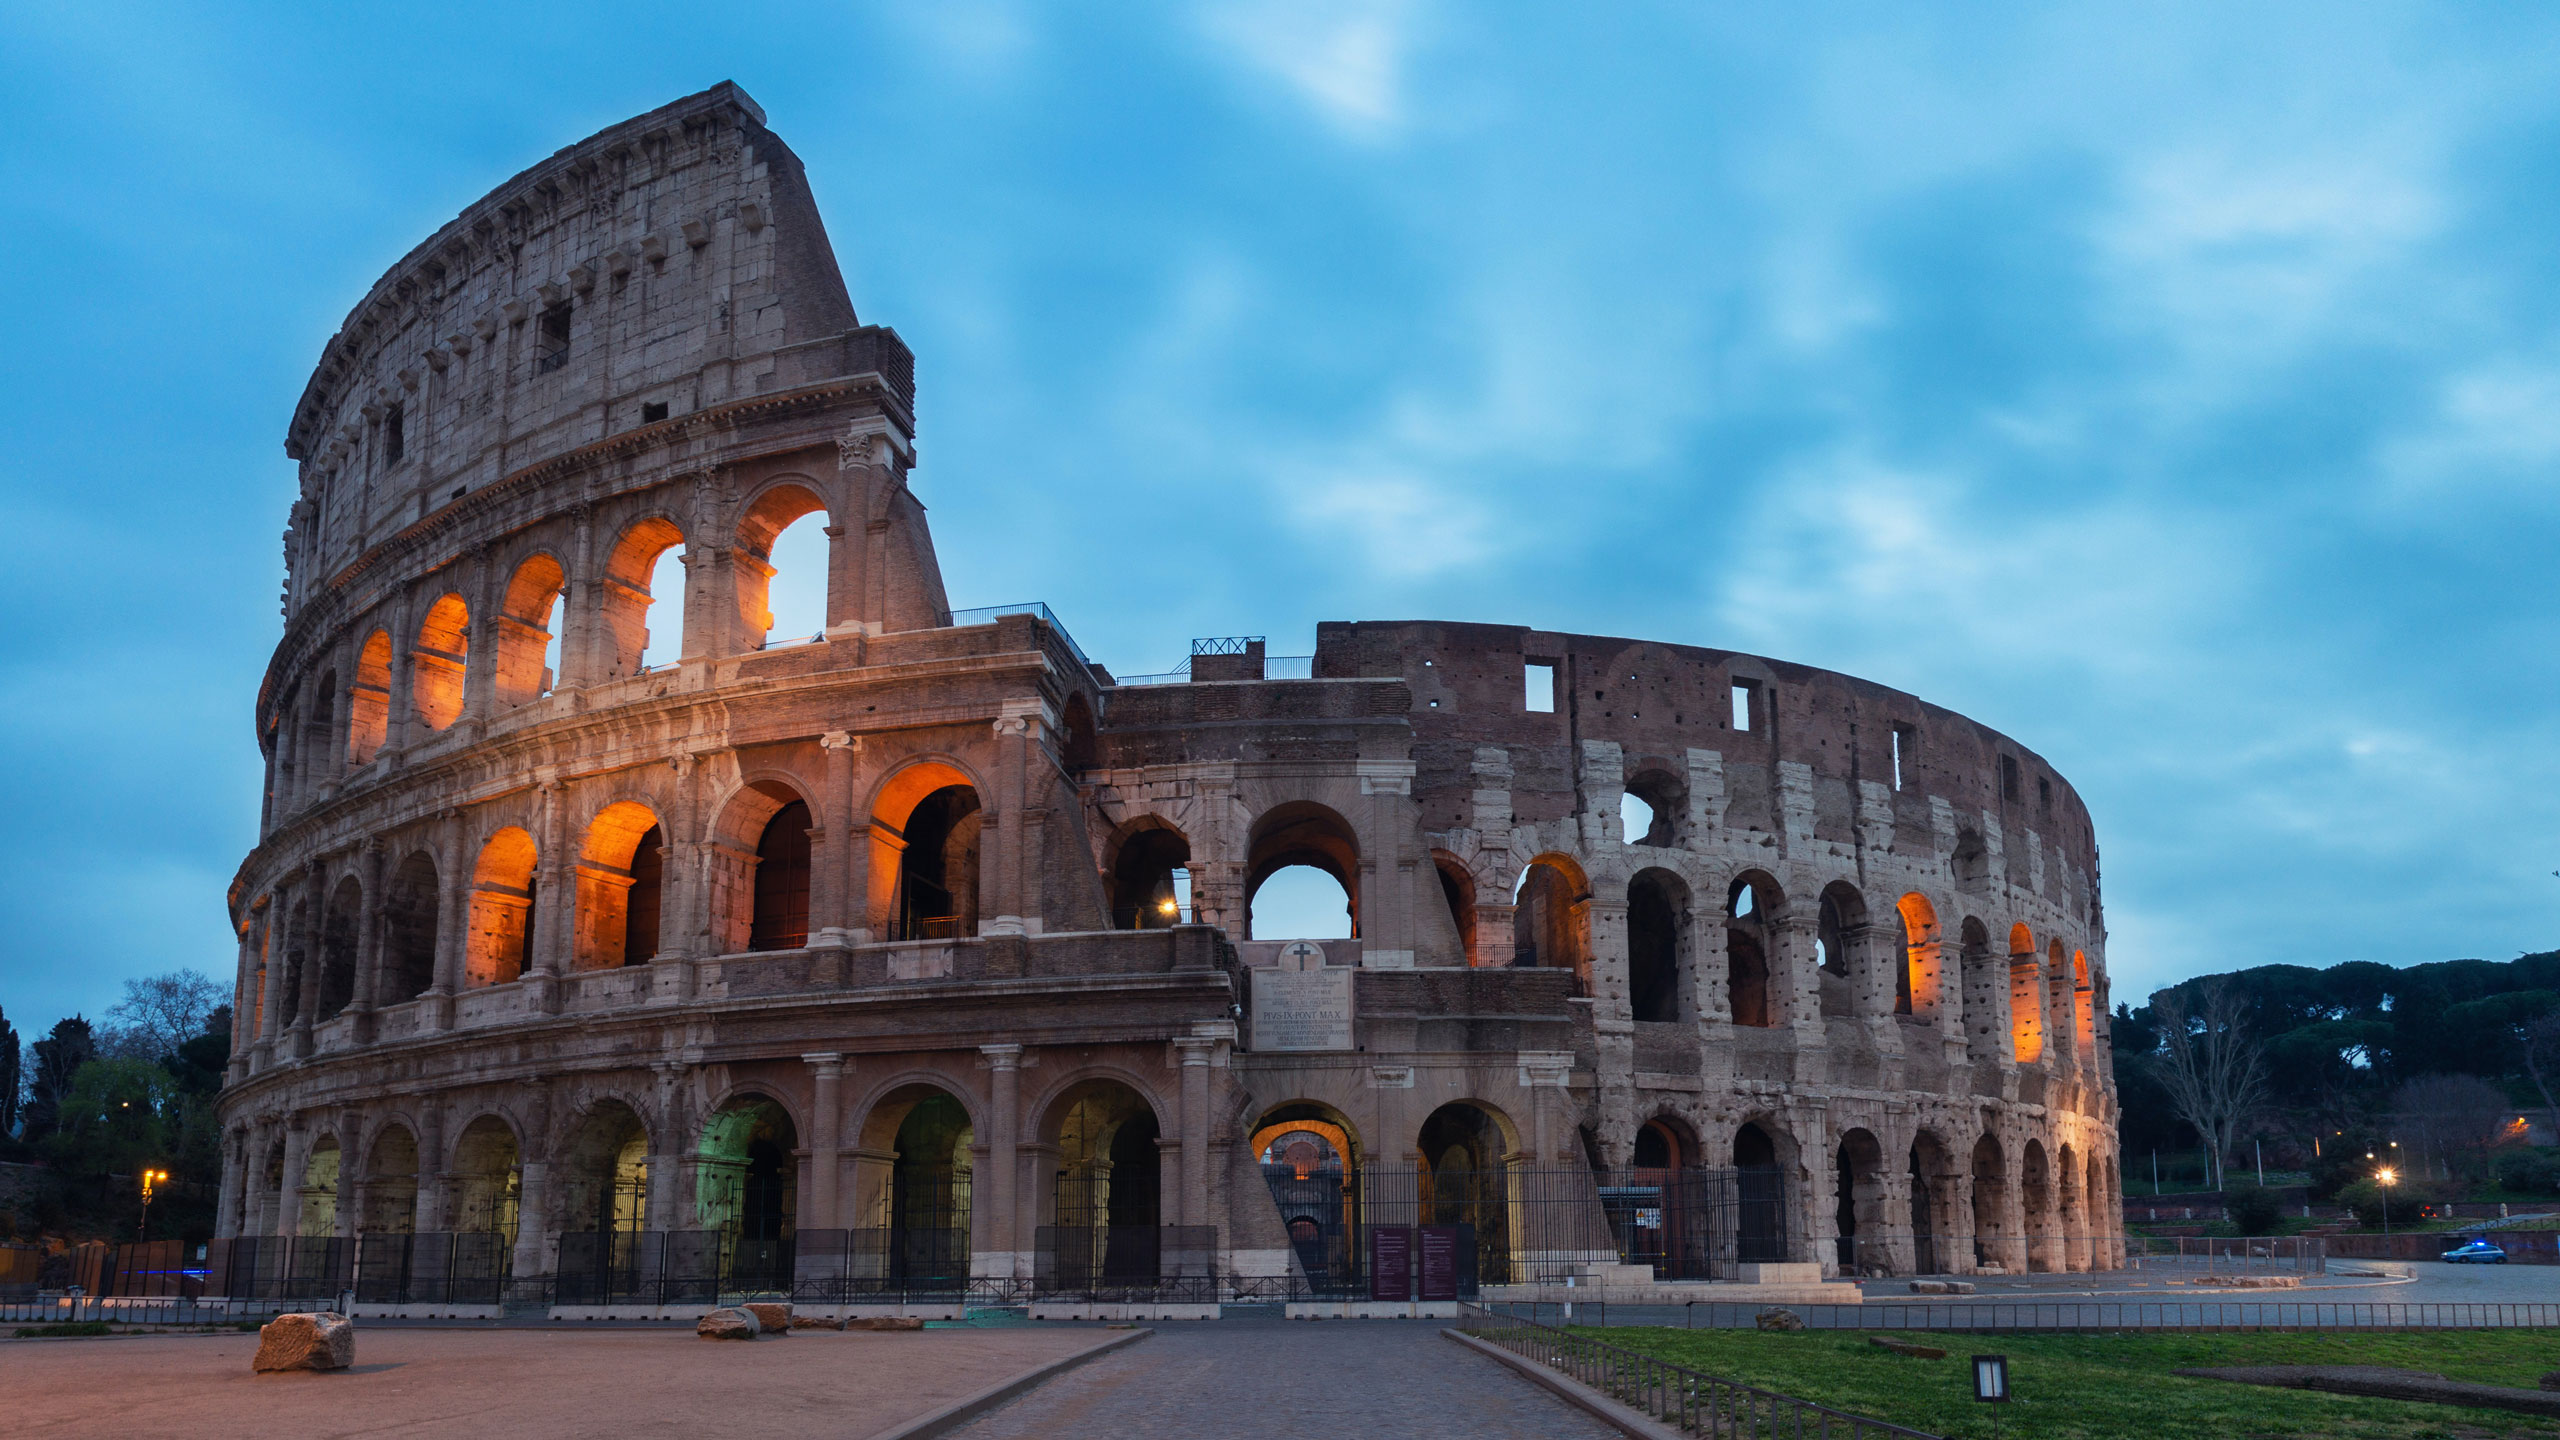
443,1000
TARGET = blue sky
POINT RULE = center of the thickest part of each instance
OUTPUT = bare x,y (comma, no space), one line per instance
2176,388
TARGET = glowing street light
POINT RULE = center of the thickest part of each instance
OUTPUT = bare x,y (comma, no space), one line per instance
150,1179
2384,1177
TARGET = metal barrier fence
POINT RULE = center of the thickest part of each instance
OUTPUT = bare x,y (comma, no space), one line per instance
2278,1254
1126,1263
839,1267
1689,1400
1989,1316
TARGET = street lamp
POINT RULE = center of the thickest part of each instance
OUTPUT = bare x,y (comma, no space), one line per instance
150,1178
2385,1176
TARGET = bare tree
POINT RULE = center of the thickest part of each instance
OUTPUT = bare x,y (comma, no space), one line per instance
2216,1075
2456,1118
2539,1039
158,1015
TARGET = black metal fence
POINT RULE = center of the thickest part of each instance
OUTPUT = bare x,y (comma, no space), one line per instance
1126,1263
1528,1226
1688,1400
880,1266
2085,1316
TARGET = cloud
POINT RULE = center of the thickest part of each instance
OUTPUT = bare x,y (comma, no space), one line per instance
1343,59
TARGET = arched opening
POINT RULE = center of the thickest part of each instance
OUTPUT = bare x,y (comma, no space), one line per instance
1865,1241
1752,908
641,602
1661,1209
319,725
1310,1164
1551,918
338,947
1839,924
2026,1008
1985,978
1990,1198
502,901
924,838
1932,1205
603,1175
2084,1020
2056,993
1466,1181
409,929
390,1189
2069,1224
1077,746
781,567
617,903
297,962
437,665
1657,921
369,701
912,1187
1760,1193
1916,991
747,1186
319,1192
523,658
1108,1196
781,917
487,1179
2035,1195
1458,892
1286,842
1650,812
1150,877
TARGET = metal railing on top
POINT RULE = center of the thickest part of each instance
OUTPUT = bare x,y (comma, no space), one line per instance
2000,1316
986,614
1274,667
1690,1400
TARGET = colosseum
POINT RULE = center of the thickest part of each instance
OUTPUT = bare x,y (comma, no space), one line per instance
913,962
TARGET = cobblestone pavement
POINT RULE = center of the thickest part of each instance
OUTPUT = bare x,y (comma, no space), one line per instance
1258,1378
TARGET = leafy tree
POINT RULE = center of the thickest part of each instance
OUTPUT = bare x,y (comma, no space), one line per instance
114,1119
2255,1209
9,1074
58,1057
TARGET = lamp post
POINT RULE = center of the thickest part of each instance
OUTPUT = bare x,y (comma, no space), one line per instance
2384,1177
150,1178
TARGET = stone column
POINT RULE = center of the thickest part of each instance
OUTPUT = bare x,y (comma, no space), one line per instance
826,1128
400,726
838,870
297,1160
1196,1052
308,960
995,1250
1000,909
581,614
556,901
667,1146
454,864
533,1196
366,992
486,591
235,1176
434,1199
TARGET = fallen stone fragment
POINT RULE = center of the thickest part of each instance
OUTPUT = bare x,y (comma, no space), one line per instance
1941,1287
731,1323
884,1322
2382,1382
2254,1282
1778,1317
817,1322
321,1340
772,1317
1905,1347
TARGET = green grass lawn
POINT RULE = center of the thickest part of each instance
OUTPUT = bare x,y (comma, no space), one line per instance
2120,1385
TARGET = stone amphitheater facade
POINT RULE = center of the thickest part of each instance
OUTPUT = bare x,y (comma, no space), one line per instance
930,915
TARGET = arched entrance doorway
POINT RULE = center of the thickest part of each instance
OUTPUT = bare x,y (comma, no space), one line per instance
913,1182
1864,1246
1760,1197
1310,1163
747,1188
1106,1201
604,1202
1465,1181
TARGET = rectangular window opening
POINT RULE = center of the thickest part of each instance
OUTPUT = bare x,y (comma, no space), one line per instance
395,435
551,345
1746,699
1540,687
652,411
2044,795
1906,753
2008,777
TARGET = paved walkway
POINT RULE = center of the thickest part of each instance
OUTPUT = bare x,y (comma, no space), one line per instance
1253,1379
555,1383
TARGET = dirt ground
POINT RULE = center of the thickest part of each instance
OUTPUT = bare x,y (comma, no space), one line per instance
557,1384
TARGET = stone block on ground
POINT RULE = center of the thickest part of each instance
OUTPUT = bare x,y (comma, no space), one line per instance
884,1322
772,1316
816,1322
1941,1287
729,1323
320,1340
1778,1317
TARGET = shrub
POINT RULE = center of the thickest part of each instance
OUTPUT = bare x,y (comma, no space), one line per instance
2407,1198
2529,1172
2254,1209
